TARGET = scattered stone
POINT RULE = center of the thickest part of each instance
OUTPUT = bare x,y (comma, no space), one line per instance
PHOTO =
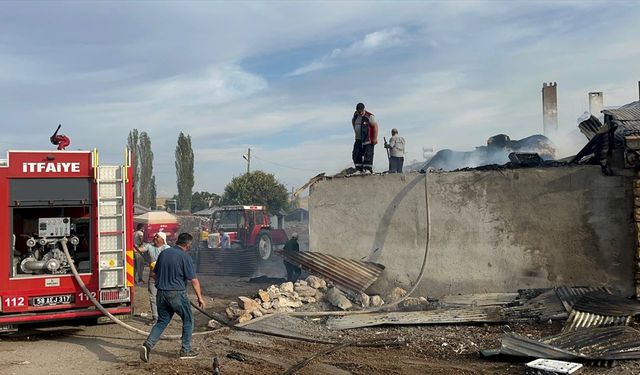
364,300
300,282
245,317
273,291
306,291
396,294
338,299
248,304
256,313
308,300
266,305
414,304
320,296
264,296
285,301
233,311
213,324
376,301
316,282
286,287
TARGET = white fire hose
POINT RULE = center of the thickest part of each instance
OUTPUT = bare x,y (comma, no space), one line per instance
415,285
97,304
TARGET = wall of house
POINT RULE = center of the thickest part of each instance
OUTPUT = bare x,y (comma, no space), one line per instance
491,231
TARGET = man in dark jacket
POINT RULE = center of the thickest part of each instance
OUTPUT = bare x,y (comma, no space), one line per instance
365,128
293,271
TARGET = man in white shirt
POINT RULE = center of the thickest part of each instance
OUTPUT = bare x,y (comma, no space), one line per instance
152,252
396,151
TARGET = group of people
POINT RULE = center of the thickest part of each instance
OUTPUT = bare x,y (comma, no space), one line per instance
170,269
222,241
365,128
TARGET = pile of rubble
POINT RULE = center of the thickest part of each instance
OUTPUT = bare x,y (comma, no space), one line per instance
312,294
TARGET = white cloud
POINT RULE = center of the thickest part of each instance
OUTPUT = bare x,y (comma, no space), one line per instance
370,43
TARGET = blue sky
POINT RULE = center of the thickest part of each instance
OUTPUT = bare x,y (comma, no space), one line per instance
283,77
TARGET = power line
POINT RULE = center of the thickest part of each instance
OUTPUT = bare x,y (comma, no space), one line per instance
285,166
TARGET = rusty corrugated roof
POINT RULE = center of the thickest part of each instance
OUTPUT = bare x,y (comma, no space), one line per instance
345,273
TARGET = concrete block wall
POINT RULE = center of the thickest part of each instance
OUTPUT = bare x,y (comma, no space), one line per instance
492,231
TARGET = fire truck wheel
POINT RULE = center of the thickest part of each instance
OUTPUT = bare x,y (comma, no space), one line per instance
264,246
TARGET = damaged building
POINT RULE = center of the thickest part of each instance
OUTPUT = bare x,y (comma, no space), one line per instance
494,229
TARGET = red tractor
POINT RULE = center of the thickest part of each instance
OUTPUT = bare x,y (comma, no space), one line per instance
248,227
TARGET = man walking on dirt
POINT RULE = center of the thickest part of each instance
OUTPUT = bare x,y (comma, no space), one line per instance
365,128
151,253
173,269
293,271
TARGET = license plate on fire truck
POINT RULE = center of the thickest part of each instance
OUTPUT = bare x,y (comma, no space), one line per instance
51,300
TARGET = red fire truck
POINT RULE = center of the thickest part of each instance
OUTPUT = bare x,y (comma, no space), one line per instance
48,196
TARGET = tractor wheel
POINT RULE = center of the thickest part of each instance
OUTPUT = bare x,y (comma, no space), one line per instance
264,246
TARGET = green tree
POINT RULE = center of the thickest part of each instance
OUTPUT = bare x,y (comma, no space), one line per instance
132,145
203,200
184,171
154,193
257,188
146,169
143,179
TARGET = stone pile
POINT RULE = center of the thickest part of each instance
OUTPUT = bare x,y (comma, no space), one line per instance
313,293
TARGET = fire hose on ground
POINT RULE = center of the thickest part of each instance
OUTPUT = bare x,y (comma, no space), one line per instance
377,342
336,345
415,285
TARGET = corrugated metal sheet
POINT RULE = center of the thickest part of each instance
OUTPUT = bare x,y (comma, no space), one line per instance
601,309
603,303
448,316
596,344
484,299
345,273
570,295
602,343
579,320
628,112
590,127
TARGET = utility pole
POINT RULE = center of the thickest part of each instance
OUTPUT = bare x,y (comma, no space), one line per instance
247,157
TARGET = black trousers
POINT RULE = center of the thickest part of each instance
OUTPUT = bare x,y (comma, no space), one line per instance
293,272
395,164
362,156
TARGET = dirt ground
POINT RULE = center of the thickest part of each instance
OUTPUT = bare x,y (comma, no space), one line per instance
103,349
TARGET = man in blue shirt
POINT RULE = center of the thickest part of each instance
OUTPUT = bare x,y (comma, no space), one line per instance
173,269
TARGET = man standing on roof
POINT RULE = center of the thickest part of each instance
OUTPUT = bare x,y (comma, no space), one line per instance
365,128
173,269
396,148
151,253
